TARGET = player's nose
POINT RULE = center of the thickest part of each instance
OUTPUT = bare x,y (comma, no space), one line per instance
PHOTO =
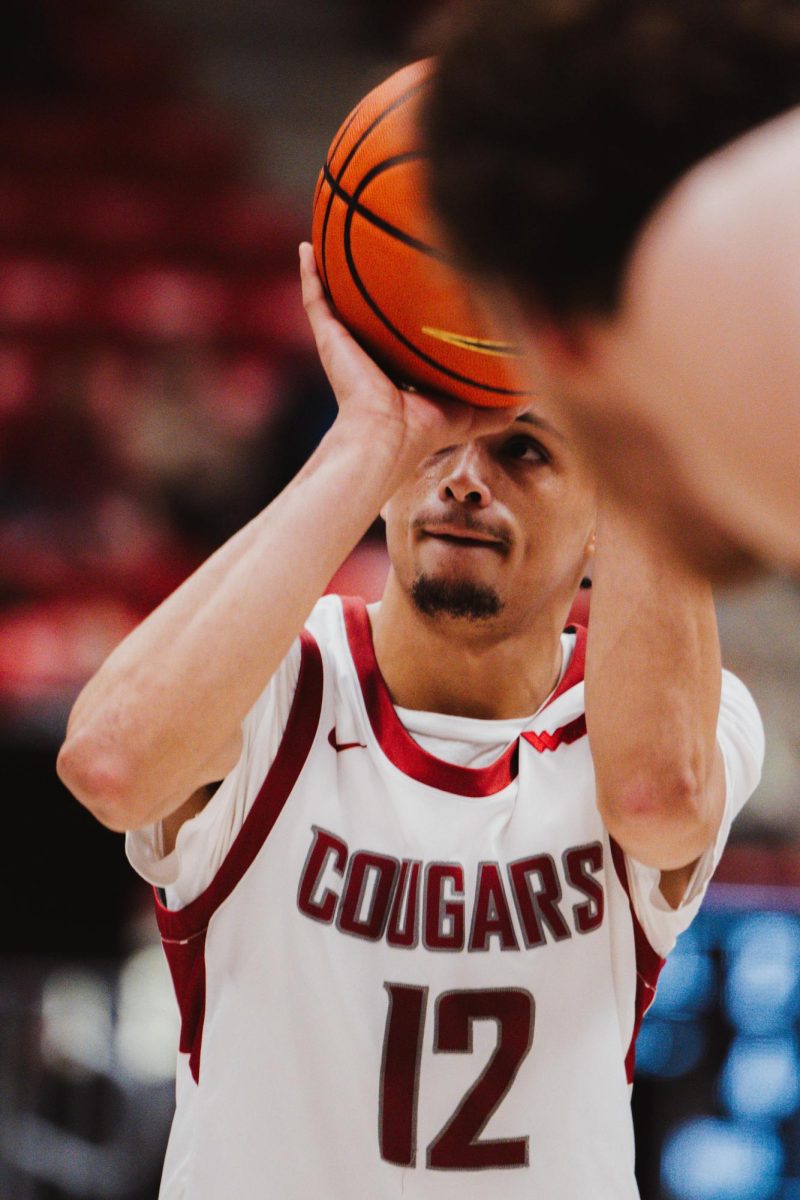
465,478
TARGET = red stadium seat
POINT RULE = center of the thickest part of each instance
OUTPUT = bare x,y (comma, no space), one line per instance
52,647
246,391
167,303
252,228
45,138
19,201
19,378
109,214
39,294
271,313
148,141
179,142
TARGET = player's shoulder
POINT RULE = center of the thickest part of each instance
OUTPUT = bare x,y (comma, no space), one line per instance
333,624
325,619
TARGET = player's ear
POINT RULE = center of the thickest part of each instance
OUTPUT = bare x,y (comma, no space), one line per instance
588,555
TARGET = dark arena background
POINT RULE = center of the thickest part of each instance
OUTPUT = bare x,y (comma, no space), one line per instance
157,388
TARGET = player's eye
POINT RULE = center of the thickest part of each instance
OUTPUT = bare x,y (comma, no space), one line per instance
525,449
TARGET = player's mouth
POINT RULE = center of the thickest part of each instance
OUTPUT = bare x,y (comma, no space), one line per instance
465,538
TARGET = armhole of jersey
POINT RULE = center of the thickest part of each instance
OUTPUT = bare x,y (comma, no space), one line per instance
183,931
648,962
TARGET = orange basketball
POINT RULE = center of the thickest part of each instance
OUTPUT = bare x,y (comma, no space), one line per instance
388,280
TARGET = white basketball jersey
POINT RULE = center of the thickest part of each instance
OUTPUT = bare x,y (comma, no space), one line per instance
409,978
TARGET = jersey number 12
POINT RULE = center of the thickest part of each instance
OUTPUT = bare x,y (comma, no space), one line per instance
458,1145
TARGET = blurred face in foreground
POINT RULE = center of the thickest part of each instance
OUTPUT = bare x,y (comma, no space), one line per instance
494,535
706,346
661,296
687,396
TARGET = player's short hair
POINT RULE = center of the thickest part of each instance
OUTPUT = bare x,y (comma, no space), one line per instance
555,126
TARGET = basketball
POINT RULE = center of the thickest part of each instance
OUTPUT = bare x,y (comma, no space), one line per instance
383,266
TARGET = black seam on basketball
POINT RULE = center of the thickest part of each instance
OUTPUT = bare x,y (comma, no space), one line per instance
324,177
323,239
340,136
323,264
380,222
398,103
368,300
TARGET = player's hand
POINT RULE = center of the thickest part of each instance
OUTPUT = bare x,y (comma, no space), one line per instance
409,424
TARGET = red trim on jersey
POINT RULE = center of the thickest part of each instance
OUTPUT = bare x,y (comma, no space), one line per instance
577,664
183,931
397,743
648,962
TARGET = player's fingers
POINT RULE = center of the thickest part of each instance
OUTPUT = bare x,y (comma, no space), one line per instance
492,420
321,319
470,420
324,326
346,364
313,293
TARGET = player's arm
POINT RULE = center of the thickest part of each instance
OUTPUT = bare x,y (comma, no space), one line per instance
653,679
162,716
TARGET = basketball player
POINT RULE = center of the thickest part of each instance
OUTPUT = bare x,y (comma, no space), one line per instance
414,929
660,296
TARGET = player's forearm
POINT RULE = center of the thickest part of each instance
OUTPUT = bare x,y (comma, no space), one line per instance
157,720
652,696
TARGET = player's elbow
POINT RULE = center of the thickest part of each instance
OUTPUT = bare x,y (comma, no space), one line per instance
99,779
647,798
663,823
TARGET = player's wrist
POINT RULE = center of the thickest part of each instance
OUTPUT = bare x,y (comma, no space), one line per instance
380,452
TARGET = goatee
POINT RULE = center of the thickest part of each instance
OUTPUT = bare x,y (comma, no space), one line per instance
434,596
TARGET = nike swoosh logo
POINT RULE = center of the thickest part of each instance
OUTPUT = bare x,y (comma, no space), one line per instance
476,345
343,745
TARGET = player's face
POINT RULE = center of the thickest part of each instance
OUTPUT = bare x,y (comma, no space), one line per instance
499,527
